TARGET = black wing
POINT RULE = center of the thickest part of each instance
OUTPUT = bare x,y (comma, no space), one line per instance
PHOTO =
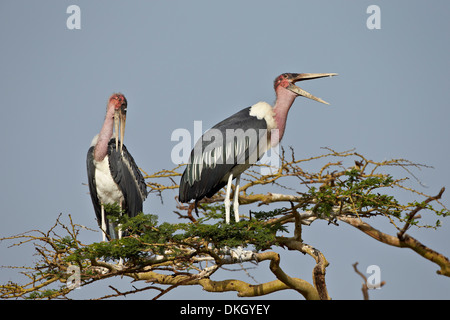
92,185
214,156
128,177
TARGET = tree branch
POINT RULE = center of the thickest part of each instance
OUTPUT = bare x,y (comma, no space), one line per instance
301,286
365,287
405,242
175,254
413,213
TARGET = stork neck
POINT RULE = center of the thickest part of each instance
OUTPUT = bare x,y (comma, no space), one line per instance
101,148
283,103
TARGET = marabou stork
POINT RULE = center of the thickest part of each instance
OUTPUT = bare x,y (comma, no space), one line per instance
114,177
215,161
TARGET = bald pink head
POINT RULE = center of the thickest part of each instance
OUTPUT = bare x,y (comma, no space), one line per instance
283,80
117,100
287,91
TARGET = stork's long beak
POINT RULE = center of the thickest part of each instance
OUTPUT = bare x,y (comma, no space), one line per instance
120,117
123,121
306,76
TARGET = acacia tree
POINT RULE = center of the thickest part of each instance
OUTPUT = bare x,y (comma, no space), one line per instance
345,186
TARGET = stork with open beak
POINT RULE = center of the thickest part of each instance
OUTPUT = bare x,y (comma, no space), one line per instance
214,163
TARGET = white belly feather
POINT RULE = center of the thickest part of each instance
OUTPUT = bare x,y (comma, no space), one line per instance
107,190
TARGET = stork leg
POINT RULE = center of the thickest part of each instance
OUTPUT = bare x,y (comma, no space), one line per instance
120,225
227,201
120,235
236,198
103,223
239,253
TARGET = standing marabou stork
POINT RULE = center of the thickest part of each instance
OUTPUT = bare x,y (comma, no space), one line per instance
216,161
112,173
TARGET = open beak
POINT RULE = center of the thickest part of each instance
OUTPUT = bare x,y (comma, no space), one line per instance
294,77
120,118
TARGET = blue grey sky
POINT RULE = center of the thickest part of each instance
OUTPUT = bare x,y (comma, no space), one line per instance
181,61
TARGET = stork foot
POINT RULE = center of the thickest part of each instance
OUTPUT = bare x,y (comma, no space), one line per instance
239,254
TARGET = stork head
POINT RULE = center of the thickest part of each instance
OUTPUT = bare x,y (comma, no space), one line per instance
288,80
119,102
